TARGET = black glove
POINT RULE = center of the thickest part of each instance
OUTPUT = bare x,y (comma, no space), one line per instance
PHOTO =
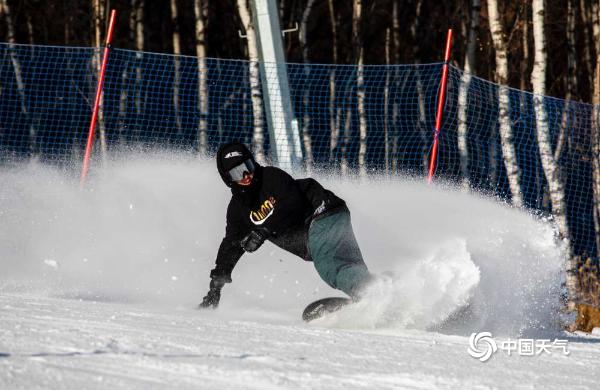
212,298
255,239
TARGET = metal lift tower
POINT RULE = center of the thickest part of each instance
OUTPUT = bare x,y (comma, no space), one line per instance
283,129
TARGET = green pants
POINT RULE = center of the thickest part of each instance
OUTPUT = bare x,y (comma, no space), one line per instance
336,255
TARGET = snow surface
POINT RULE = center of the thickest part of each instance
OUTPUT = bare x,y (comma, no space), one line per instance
98,288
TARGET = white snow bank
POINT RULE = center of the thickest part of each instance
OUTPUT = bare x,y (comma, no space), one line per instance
57,343
148,228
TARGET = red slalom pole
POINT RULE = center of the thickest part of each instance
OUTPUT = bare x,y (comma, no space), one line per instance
90,139
440,108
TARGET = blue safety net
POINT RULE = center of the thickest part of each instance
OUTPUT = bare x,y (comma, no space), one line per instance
371,119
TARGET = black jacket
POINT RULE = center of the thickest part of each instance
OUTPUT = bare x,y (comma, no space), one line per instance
282,205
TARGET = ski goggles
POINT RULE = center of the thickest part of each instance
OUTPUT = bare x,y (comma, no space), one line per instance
237,173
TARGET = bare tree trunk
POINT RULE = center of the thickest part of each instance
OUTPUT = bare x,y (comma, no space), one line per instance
76,152
306,93
124,92
258,137
424,132
493,147
386,103
414,27
30,29
549,164
506,132
595,133
360,85
395,105
524,80
346,136
201,13
32,147
334,111
124,95
571,51
67,28
595,21
176,66
587,28
469,69
571,79
138,24
98,14
524,85
138,39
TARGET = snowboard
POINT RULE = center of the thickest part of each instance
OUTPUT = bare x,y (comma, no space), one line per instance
324,306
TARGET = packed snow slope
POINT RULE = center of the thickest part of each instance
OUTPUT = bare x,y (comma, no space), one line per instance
98,288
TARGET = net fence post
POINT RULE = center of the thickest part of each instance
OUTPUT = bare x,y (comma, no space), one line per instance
91,132
440,108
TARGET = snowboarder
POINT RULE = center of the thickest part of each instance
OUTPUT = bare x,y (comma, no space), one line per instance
299,216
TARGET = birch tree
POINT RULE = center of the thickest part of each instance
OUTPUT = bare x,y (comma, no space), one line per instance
595,135
124,89
588,27
492,151
571,79
395,103
595,21
423,130
258,137
98,14
469,68
32,147
334,111
595,130
347,127
137,36
176,65
357,43
506,132
30,32
523,68
306,137
549,164
524,82
386,103
201,14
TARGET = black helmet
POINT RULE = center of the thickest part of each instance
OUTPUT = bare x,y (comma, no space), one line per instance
232,158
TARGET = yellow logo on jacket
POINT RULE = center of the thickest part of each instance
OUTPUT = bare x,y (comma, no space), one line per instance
265,210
